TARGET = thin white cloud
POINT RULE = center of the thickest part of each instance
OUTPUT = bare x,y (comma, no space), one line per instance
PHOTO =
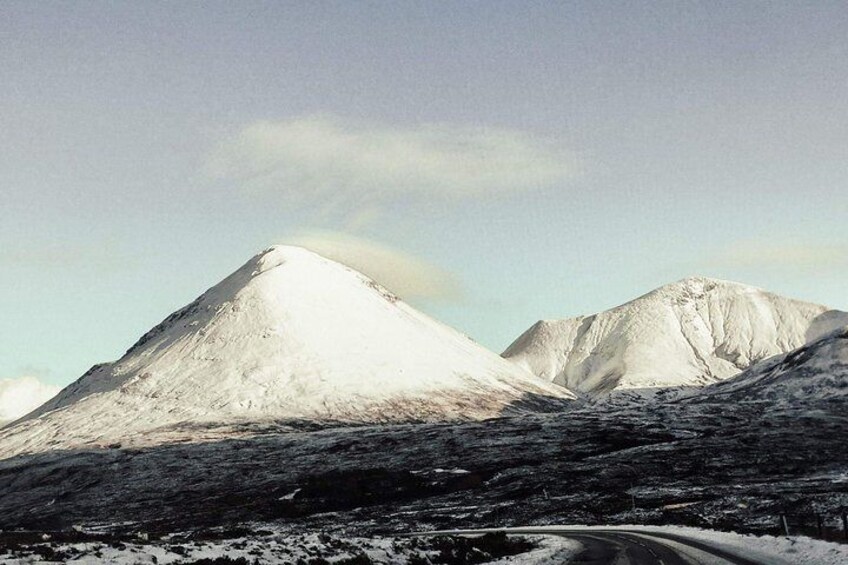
777,254
59,255
409,277
327,156
22,395
46,254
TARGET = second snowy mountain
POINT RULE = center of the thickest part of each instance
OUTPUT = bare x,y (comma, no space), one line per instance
691,333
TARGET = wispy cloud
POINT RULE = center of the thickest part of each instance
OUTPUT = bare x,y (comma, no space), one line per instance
21,395
43,254
59,255
777,255
407,276
325,155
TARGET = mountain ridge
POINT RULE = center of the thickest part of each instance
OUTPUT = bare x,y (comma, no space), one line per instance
817,370
691,332
289,335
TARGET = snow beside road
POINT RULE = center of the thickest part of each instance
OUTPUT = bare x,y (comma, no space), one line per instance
793,550
552,550
277,548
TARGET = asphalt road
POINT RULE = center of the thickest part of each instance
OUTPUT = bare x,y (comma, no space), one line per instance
619,548
634,547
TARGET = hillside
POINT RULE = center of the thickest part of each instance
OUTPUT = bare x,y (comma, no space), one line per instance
815,371
288,336
694,332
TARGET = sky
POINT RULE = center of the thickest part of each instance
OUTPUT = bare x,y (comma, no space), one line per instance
493,162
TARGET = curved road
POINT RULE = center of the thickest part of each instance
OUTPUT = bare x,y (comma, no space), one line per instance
604,549
622,547
631,547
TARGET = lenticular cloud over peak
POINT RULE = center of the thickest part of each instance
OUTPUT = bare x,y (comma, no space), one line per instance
324,154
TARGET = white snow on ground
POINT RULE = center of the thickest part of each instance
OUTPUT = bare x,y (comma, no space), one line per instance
280,548
551,551
694,332
794,550
816,370
288,335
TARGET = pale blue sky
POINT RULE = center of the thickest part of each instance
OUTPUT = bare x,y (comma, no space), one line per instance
656,140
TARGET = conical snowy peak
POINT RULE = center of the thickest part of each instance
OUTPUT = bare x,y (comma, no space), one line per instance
692,332
290,335
815,371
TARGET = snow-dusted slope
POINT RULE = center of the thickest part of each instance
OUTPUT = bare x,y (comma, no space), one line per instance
815,371
288,335
693,332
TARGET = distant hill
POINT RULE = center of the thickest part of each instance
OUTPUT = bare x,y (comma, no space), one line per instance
694,332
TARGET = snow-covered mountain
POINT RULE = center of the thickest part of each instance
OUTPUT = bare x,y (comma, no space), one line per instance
290,335
815,371
694,332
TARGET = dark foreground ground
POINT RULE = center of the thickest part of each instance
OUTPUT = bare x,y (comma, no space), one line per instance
703,465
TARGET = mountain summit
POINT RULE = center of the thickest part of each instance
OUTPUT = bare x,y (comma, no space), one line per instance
290,335
693,332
